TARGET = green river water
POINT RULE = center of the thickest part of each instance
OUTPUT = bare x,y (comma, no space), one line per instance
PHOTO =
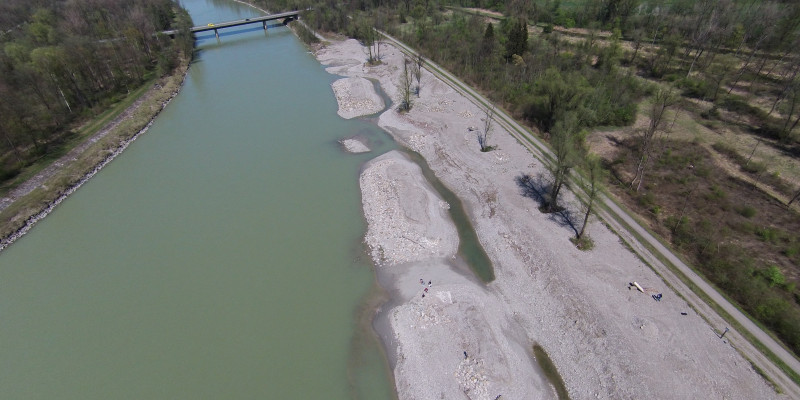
219,257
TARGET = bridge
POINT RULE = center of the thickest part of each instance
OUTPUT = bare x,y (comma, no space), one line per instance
286,16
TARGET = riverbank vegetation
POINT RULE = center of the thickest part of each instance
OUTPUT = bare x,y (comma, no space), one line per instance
73,71
692,106
64,63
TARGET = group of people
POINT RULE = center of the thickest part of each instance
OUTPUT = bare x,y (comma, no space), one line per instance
422,282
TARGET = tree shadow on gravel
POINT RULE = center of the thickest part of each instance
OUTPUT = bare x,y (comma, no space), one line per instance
537,189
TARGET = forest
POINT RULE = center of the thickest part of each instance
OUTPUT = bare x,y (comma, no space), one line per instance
689,107
63,62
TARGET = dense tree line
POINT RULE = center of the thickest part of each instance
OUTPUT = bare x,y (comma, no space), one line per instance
63,60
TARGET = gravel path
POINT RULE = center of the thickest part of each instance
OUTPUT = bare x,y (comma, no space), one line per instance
49,171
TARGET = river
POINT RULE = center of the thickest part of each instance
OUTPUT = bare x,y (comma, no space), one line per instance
219,257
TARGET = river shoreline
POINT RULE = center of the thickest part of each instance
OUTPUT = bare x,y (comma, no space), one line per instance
467,338
108,143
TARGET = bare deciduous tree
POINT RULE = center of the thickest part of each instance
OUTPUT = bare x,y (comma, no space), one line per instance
405,85
418,63
591,187
661,102
372,40
563,142
483,135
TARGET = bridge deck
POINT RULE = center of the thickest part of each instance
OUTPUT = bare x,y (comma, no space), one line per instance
253,20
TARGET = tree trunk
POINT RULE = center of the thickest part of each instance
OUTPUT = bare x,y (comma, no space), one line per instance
758,142
641,178
694,60
794,125
758,74
739,75
13,146
792,107
793,198
639,169
635,51
588,212
785,89
685,204
779,61
553,202
63,97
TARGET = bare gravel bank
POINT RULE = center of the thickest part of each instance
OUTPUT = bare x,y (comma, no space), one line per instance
606,340
356,97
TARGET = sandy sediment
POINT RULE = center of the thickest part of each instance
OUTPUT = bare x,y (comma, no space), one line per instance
353,145
606,340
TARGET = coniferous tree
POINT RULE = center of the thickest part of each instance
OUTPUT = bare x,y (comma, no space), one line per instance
517,39
487,45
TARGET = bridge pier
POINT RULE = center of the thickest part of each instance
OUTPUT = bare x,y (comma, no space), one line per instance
265,24
216,32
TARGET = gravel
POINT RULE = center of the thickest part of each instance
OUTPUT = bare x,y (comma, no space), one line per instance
606,340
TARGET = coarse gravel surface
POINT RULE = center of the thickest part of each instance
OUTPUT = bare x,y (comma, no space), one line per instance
606,339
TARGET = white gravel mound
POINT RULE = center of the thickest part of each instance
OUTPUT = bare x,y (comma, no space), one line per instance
356,97
407,220
352,145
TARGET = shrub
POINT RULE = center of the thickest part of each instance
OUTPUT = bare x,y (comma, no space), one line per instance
768,234
647,199
773,276
717,193
754,167
681,231
740,105
712,112
728,151
656,209
792,250
746,211
702,171
692,87
8,173
585,243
